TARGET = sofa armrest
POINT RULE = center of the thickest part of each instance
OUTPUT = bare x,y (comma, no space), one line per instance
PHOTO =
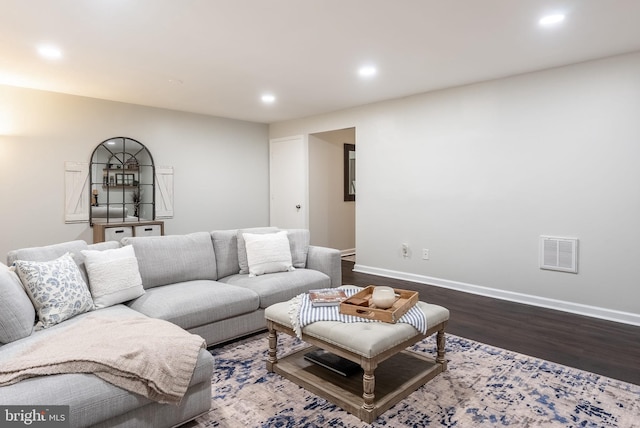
327,261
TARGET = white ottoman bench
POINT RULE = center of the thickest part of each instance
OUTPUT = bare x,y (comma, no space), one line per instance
372,345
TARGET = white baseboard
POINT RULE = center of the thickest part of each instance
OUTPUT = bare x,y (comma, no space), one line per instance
347,252
543,302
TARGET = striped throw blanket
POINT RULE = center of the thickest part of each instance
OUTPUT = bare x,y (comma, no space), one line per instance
302,313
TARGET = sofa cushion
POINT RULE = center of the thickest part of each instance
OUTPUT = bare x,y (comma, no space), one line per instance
91,399
225,245
243,264
114,276
174,258
280,286
51,252
95,402
195,303
267,252
17,314
56,289
299,244
106,245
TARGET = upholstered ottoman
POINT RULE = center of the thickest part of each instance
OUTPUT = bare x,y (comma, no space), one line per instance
376,346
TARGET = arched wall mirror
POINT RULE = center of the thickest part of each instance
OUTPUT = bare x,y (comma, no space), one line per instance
122,177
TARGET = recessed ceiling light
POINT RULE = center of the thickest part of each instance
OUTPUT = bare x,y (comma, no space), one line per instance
49,52
268,99
551,19
367,71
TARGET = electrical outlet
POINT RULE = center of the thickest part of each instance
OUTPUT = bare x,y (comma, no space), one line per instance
405,250
425,254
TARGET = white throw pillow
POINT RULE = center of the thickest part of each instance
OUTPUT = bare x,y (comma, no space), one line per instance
242,250
56,289
114,276
268,253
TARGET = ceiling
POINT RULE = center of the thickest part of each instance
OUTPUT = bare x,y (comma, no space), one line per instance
218,57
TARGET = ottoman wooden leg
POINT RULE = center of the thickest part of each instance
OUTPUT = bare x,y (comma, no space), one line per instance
368,385
440,340
273,347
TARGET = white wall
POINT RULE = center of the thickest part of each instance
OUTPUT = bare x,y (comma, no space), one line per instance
221,165
331,218
476,174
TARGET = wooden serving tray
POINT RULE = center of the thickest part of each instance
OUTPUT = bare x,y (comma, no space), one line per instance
361,305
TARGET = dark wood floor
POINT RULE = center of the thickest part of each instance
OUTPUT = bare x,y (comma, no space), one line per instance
604,347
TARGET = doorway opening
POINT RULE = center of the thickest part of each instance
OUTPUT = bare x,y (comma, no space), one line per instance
332,220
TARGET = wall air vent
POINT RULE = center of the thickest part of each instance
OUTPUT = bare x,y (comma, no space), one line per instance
559,254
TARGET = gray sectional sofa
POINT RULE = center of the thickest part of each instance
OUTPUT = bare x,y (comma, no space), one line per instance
197,281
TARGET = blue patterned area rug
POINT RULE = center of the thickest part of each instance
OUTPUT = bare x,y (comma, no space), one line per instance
484,386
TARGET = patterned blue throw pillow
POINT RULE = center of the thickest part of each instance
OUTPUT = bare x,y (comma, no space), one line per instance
56,289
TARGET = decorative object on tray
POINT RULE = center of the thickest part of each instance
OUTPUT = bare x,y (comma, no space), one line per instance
363,304
383,297
327,297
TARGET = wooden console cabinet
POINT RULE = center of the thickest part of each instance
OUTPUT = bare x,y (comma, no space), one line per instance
116,231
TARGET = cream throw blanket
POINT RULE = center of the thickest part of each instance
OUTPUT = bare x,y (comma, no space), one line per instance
150,357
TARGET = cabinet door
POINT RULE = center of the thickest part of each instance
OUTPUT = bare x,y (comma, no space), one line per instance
117,233
148,230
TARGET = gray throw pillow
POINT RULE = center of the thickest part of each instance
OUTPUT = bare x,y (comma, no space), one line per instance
225,246
17,314
299,243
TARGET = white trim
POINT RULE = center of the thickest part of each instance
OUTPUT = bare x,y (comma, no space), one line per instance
347,252
543,302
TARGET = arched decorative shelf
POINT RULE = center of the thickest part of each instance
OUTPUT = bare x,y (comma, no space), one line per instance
122,177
